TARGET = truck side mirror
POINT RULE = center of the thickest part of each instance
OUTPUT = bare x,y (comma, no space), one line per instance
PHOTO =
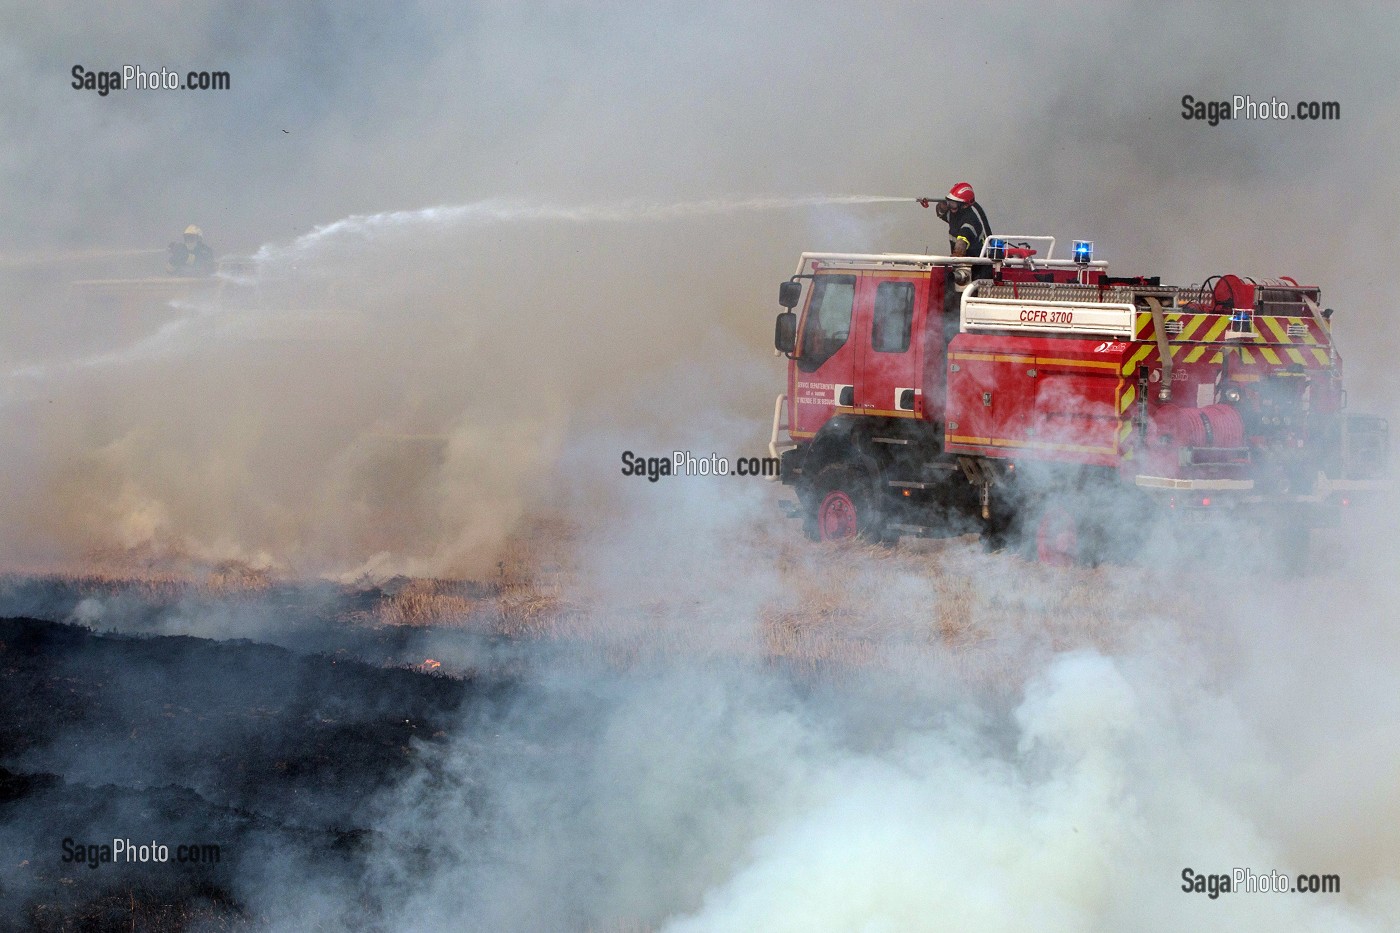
785,332
788,293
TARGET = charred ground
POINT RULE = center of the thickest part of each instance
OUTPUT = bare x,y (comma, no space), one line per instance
273,755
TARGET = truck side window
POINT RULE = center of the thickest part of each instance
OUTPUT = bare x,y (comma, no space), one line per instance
828,322
894,317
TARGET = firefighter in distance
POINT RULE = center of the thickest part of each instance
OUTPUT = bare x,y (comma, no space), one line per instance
190,255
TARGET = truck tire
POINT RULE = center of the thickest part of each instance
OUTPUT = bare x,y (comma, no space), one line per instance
844,505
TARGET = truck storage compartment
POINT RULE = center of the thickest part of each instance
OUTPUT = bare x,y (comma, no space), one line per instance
1062,398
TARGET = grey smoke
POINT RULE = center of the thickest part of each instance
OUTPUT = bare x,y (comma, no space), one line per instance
1067,122
410,404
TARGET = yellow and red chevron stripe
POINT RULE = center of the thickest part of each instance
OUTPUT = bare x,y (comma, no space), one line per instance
1272,342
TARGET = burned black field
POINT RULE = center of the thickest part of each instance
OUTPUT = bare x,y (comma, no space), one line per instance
275,755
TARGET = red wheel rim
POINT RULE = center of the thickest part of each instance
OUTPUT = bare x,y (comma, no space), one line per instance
837,517
1056,538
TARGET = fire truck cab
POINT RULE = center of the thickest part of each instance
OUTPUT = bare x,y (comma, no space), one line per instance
1042,400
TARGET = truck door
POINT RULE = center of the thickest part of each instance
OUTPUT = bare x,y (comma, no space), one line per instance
823,374
890,360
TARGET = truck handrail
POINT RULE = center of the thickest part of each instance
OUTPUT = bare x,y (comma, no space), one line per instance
775,449
919,261
1016,239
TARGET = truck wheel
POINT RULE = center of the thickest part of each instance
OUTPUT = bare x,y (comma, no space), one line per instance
844,506
1057,537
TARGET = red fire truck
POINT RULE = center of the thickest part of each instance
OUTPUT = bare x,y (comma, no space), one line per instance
1044,402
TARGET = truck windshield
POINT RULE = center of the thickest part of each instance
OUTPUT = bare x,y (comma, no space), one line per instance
828,323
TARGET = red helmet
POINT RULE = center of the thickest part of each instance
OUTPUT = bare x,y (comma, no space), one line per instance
961,192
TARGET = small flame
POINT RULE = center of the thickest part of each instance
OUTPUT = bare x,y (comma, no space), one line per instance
430,665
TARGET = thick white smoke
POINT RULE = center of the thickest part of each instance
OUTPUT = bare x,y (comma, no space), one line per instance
977,743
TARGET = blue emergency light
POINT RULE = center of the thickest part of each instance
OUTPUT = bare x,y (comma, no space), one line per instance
1083,251
1242,323
996,249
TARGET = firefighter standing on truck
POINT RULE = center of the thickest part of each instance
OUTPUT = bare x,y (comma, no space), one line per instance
968,228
